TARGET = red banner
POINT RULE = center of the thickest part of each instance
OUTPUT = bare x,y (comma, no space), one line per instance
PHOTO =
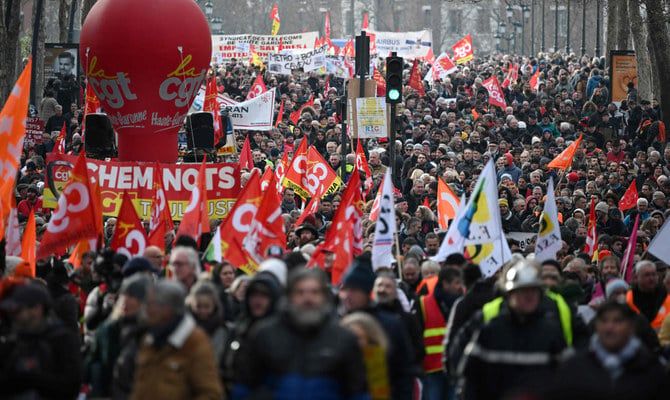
115,177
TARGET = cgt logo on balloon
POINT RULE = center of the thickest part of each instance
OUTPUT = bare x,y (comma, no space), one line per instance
114,89
180,87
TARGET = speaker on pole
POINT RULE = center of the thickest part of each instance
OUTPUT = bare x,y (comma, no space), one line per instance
99,139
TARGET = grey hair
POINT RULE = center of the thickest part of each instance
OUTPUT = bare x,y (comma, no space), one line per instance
643,264
170,293
191,256
205,288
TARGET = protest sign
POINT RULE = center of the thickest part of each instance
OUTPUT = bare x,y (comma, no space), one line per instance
340,67
34,130
254,114
406,44
117,177
285,62
371,117
226,47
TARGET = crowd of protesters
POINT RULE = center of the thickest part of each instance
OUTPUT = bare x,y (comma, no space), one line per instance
171,325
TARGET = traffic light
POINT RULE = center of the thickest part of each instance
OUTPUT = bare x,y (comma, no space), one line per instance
394,79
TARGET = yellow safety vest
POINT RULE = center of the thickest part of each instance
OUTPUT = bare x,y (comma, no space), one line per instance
492,309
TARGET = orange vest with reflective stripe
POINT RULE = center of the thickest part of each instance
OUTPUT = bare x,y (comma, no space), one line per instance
663,311
434,328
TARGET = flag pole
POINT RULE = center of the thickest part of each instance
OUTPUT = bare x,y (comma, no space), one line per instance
397,254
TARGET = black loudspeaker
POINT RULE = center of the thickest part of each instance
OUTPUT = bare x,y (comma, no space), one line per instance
200,131
99,140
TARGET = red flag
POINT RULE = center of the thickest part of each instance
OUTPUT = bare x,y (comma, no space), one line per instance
381,83
293,175
349,49
362,165
238,223
442,67
415,79
295,115
463,50
74,217
280,114
129,237
28,243
564,160
211,104
91,105
627,263
326,86
267,226
496,97
511,76
280,171
591,235
161,219
59,146
366,21
426,202
276,21
430,56
629,199
246,158
311,209
257,88
267,179
281,45
344,239
535,81
374,210
326,27
195,221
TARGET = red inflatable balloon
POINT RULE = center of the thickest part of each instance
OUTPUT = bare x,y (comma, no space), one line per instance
146,60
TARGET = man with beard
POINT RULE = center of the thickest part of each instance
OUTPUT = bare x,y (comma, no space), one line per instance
648,296
329,364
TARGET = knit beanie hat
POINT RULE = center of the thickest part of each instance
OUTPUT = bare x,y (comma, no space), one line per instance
360,275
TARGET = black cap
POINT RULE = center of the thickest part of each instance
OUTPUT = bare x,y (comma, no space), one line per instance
360,275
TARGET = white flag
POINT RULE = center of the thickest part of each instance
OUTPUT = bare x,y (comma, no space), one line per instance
485,223
453,241
549,237
658,245
382,247
489,256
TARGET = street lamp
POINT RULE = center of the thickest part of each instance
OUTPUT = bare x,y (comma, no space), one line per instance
567,30
526,11
518,29
509,11
217,24
209,9
497,36
503,27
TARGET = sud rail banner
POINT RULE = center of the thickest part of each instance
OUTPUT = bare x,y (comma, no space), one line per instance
115,177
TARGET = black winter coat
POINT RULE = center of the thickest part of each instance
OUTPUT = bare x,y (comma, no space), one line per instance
583,377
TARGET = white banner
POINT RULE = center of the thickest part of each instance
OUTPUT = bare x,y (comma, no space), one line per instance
371,117
225,47
339,67
407,44
524,238
382,247
285,62
255,114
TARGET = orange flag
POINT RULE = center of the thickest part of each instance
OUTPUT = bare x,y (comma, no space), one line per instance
629,199
129,237
161,219
29,243
246,159
12,133
268,179
564,160
535,81
415,79
447,204
238,223
195,221
74,217
79,250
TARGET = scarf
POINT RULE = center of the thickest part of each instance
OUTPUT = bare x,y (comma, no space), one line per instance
614,362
